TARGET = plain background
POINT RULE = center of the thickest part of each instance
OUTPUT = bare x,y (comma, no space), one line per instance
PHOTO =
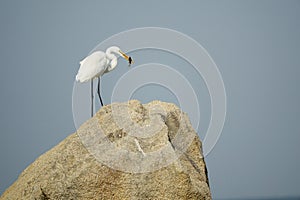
255,44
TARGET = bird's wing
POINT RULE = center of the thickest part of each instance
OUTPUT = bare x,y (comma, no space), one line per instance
92,66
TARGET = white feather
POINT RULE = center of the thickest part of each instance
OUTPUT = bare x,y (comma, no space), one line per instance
92,66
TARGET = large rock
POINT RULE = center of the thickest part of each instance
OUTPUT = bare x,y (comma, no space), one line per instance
126,151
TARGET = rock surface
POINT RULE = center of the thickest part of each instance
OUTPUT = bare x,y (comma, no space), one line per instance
126,151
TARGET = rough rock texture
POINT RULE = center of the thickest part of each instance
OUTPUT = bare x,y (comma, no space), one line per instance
164,163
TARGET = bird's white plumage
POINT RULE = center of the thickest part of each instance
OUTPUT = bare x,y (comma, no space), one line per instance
92,66
98,63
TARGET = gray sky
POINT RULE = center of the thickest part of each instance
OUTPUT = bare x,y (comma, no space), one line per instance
255,44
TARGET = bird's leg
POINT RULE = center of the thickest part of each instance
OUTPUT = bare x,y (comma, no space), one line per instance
92,99
99,91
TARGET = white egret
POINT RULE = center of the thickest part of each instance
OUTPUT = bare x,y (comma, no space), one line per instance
97,64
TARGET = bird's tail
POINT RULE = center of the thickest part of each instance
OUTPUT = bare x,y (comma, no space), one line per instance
81,78
78,78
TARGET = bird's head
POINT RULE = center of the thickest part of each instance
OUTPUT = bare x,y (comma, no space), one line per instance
128,58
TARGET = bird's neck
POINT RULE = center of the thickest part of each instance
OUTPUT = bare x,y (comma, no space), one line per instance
111,54
112,64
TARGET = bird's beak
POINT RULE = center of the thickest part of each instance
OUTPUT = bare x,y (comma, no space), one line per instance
124,55
128,58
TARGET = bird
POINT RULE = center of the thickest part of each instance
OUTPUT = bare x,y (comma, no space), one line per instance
97,64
